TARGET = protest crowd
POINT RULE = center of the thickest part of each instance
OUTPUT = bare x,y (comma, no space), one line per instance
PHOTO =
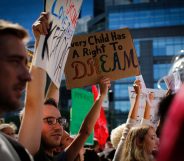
42,136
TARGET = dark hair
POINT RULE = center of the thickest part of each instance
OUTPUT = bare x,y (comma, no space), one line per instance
163,109
51,101
164,106
91,155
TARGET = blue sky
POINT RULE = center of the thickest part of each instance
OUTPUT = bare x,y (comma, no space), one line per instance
26,12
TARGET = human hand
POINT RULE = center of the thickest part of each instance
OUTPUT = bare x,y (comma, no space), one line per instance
137,87
151,96
41,26
104,84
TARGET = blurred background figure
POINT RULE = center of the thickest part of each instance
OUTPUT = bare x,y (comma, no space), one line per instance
9,129
108,153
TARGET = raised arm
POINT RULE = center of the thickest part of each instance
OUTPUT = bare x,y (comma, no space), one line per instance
131,121
134,109
53,92
89,122
31,125
149,101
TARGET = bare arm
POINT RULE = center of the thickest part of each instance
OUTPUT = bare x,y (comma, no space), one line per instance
132,115
31,125
88,123
32,118
53,92
149,101
135,107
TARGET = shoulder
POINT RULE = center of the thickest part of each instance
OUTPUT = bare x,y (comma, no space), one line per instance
61,157
41,155
11,150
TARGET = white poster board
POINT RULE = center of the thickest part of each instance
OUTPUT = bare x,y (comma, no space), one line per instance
54,47
173,81
159,94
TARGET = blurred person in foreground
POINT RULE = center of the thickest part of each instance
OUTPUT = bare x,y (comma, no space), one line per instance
172,140
13,77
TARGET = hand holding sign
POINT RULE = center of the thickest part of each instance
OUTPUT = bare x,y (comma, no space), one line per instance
41,26
143,85
137,87
105,84
108,53
54,47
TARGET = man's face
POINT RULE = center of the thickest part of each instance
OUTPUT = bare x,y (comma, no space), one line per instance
13,73
51,133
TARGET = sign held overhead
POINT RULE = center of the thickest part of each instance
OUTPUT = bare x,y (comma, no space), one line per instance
110,53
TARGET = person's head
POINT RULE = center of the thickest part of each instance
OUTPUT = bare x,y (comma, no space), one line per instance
52,129
141,144
163,109
116,135
13,59
8,129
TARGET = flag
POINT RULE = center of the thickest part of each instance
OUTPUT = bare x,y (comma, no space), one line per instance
100,130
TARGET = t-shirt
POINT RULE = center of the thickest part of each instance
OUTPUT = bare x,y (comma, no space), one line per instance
11,150
42,156
61,157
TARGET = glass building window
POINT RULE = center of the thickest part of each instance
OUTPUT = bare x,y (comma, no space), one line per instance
137,47
146,18
122,105
128,80
168,46
160,70
121,91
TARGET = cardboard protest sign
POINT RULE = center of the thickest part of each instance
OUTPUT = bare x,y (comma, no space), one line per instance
109,53
53,49
82,102
159,94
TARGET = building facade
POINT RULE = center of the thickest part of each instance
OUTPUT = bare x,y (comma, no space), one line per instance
157,28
